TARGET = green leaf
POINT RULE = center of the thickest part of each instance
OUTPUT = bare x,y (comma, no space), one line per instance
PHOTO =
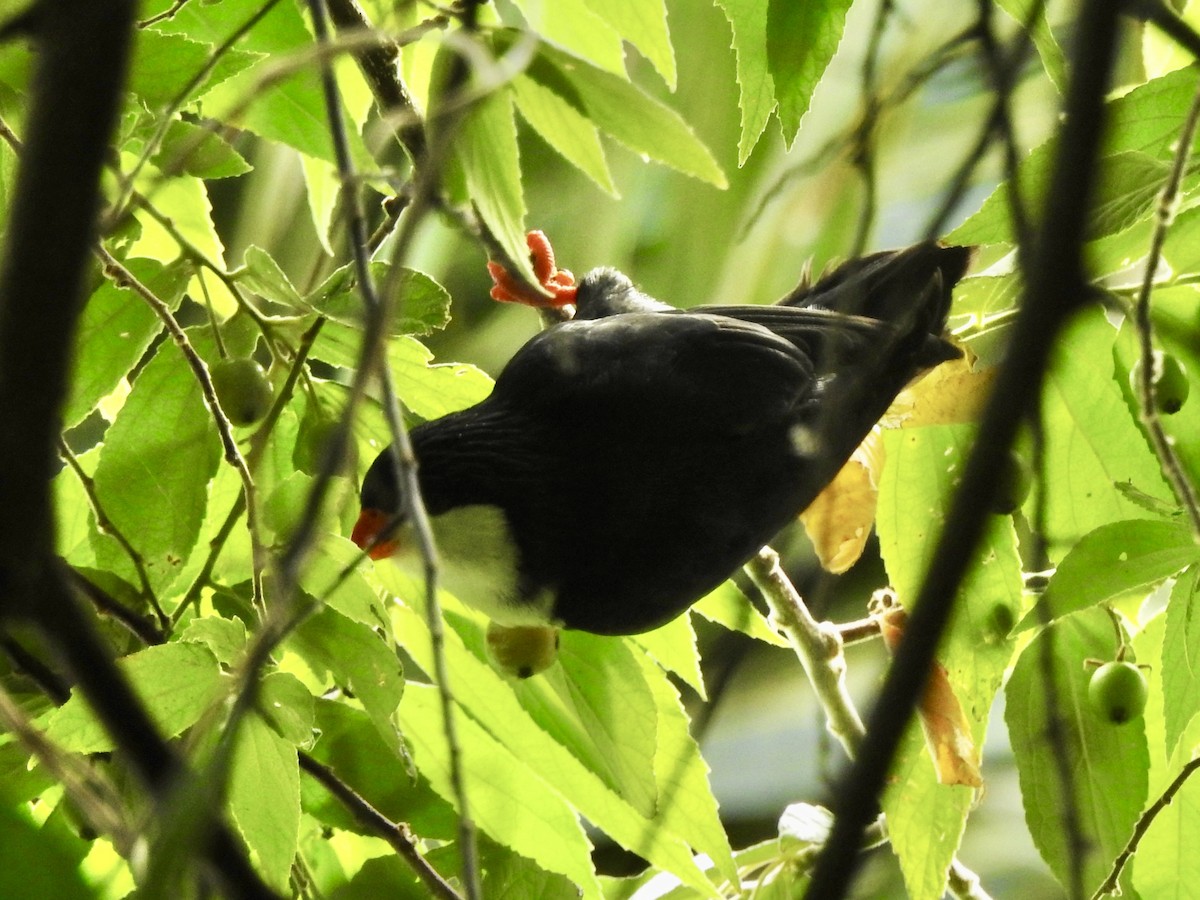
163,64
291,111
748,19
485,146
801,40
176,682
729,607
1166,864
287,706
191,214
575,26
1180,651
351,745
644,24
1106,764
1117,558
673,646
564,128
1145,120
420,304
428,390
1092,441
322,190
1128,191
359,660
263,275
116,328
686,805
157,459
1166,853
35,862
1043,38
507,874
325,577
509,713
597,703
622,110
534,823
264,797
199,152
926,819
1182,246
226,638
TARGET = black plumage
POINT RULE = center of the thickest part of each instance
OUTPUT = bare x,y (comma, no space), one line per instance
639,454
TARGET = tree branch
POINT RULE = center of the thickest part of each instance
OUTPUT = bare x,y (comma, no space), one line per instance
1056,288
84,49
397,834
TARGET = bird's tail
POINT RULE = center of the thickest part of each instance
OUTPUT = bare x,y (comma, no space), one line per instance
909,287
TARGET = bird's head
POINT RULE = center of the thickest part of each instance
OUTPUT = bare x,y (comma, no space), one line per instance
384,507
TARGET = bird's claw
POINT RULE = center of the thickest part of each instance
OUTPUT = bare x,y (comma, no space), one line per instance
559,284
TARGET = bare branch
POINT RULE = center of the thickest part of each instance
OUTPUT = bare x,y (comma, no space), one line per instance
397,834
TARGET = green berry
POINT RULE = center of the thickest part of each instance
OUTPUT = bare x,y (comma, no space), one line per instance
1171,386
523,651
315,440
1118,691
243,389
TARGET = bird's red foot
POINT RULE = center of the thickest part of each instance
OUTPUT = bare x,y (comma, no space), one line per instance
560,283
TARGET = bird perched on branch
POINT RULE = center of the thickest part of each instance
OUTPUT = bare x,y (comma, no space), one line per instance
631,459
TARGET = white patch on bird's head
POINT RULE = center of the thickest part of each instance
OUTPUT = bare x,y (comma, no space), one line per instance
478,564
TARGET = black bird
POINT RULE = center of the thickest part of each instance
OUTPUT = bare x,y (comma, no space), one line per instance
630,460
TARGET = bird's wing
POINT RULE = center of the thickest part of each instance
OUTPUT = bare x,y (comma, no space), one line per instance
668,365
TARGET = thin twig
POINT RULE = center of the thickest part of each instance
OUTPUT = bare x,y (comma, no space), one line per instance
48,681
106,526
397,834
1168,203
138,626
377,314
862,154
998,121
233,455
168,13
1110,884
858,631
819,647
258,445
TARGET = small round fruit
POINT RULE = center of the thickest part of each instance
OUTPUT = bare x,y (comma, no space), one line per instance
1014,483
523,651
1118,691
243,389
316,440
1171,386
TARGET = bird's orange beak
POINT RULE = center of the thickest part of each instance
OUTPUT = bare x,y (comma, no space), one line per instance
367,531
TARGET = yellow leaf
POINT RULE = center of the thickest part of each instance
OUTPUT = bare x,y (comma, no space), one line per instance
951,394
839,521
947,732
